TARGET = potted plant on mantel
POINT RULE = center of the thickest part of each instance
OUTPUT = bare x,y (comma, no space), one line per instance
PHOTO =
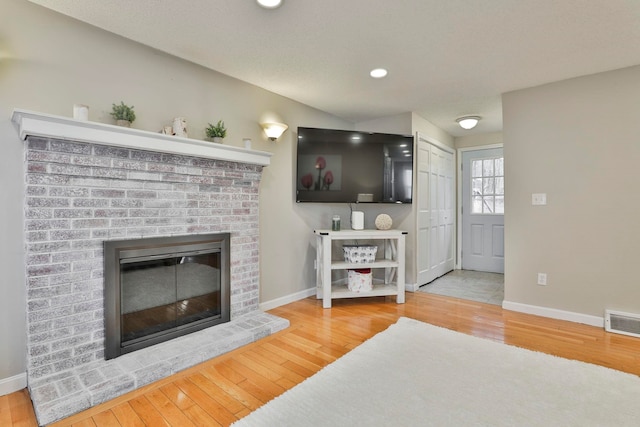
123,114
216,132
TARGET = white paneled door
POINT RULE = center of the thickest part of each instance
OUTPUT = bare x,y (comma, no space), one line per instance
483,210
436,211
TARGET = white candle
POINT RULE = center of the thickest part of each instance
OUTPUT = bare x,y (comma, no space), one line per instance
357,220
81,112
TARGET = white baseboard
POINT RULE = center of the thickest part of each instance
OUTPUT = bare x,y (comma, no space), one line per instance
268,305
411,287
12,384
554,313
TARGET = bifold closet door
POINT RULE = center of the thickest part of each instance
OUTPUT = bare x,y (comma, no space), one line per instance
436,211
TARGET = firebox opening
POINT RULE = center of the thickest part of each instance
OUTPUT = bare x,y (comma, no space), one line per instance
157,289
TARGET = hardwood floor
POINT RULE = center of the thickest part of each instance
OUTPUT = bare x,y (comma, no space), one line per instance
228,387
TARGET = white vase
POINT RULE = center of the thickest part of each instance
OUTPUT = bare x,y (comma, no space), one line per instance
217,139
123,123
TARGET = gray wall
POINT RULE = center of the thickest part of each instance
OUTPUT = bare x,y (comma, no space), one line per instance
578,141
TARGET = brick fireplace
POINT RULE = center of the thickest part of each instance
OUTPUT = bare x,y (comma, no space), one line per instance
87,183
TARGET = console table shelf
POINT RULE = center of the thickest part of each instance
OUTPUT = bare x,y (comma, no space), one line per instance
393,263
342,265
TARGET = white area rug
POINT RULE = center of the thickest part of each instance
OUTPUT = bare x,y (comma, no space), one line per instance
416,374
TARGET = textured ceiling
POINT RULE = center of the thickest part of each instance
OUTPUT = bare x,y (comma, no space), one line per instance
446,58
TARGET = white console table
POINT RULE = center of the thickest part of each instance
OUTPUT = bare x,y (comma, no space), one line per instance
393,242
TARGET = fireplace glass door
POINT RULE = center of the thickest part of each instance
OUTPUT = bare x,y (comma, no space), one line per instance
162,294
160,288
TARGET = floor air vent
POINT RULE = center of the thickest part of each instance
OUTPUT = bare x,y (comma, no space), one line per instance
622,323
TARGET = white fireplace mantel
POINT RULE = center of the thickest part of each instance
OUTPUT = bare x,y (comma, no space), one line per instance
29,123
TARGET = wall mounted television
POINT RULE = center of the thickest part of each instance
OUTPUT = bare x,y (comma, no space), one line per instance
342,166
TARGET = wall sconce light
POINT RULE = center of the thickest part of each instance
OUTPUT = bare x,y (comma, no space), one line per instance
468,122
274,130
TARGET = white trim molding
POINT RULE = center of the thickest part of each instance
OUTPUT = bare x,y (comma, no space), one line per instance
411,287
13,384
554,313
29,123
274,303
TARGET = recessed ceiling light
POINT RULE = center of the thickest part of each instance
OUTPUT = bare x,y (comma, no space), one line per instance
378,73
270,4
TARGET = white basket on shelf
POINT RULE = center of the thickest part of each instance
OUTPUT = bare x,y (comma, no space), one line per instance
359,254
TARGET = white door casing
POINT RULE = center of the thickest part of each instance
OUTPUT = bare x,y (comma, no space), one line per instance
482,200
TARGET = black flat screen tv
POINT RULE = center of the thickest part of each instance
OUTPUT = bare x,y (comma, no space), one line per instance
342,166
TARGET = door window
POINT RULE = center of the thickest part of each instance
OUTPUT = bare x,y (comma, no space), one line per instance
487,186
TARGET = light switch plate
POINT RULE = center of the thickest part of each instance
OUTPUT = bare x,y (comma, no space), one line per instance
542,279
539,199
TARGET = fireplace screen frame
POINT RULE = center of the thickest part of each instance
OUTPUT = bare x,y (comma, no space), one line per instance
117,251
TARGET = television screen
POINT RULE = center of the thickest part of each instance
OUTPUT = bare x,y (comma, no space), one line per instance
339,166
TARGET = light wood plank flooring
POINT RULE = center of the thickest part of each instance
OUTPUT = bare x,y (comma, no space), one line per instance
226,388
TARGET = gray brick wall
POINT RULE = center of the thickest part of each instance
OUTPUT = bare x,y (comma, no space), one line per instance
78,195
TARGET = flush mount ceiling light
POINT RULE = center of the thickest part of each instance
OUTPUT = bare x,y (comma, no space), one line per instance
468,122
274,130
270,4
378,73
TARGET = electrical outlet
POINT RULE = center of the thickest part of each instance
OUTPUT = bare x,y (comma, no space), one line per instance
539,199
542,279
